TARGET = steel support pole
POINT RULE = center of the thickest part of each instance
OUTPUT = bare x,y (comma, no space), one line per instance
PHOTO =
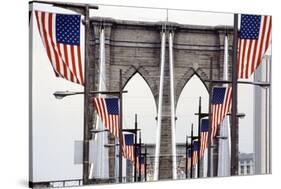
120,126
145,163
191,163
87,134
210,118
135,148
139,158
186,156
234,124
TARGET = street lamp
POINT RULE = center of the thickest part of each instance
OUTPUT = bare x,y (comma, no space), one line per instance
62,94
256,83
94,132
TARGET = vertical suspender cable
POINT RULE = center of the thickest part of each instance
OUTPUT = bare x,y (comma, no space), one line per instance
102,87
228,148
159,114
224,145
172,96
98,169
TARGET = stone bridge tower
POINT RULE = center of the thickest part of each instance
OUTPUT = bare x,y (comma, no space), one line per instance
135,47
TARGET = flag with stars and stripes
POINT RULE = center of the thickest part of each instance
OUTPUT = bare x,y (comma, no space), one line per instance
140,164
204,136
195,148
60,34
189,154
138,156
128,147
108,111
221,105
255,34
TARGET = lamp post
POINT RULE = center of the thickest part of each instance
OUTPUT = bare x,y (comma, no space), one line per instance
140,144
200,116
145,154
135,132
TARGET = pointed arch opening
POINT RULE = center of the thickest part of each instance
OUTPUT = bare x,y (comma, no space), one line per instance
187,106
140,100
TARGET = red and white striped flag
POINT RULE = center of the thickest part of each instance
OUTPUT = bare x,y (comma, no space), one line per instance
60,34
221,105
204,136
128,147
108,111
140,165
195,148
189,159
255,35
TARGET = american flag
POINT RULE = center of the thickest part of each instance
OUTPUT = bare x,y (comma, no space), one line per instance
255,34
108,111
195,148
138,154
60,34
189,159
221,105
140,164
128,147
204,136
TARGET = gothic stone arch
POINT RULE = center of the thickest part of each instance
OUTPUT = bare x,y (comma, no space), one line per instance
135,47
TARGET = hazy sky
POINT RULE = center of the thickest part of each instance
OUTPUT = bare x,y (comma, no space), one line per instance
58,123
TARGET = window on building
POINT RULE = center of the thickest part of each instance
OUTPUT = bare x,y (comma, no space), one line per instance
248,169
242,169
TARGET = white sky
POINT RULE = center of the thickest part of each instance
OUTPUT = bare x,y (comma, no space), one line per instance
58,123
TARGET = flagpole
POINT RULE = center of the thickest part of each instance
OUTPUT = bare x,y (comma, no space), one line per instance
86,136
199,137
139,157
120,126
191,164
186,156
234,125
135,148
